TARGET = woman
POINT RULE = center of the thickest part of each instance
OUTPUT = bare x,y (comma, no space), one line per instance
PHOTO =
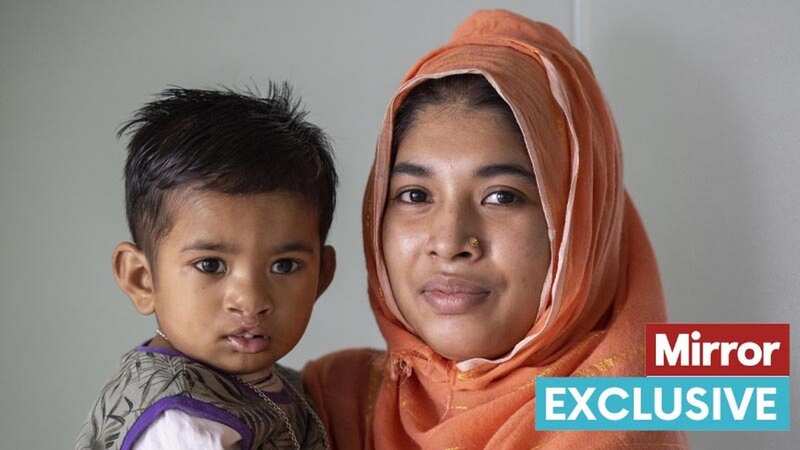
501,246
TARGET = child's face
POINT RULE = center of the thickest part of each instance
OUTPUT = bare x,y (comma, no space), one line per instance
236,277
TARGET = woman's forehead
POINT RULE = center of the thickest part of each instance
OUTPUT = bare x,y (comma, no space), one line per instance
457,136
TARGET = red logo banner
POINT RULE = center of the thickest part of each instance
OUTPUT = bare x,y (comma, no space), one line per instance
699,349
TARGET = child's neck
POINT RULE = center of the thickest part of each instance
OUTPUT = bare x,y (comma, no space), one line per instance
160,342
256,377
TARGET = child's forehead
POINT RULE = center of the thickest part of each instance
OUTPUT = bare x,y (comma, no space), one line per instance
193,199
218,213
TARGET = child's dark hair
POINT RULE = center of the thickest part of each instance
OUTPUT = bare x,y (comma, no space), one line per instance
470,90
222,141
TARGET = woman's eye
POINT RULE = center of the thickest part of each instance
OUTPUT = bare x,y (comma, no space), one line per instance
210,265
413,196
285,266
501,198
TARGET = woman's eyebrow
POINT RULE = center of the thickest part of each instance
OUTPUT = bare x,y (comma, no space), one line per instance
494,170
410,169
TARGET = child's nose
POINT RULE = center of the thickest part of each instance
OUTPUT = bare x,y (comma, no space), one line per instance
247,313
251,301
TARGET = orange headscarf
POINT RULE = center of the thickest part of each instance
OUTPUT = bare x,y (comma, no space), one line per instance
601,288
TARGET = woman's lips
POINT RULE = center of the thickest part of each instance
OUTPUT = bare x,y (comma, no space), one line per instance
451,296
248,342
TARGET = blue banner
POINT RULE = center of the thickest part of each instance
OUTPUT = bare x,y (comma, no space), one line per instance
663,403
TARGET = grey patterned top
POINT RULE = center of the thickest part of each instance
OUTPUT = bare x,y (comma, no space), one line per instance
152,380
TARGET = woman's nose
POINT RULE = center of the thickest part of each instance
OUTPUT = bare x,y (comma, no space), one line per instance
250,299
453,232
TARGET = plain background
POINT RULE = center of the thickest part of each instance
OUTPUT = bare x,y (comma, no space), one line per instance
705,97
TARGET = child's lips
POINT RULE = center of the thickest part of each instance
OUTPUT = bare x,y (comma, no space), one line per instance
248,342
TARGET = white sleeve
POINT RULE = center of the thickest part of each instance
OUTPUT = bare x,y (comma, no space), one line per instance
176,430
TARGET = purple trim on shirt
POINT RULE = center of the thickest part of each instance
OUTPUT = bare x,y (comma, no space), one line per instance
146,348
192,407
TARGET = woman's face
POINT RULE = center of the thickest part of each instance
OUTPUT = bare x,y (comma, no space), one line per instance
461,174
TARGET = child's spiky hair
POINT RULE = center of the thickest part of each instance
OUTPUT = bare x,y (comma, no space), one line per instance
222,141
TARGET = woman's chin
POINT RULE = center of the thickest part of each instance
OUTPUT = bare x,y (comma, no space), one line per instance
466,336
464,346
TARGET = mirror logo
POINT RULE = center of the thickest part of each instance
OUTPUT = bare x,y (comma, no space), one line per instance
699,377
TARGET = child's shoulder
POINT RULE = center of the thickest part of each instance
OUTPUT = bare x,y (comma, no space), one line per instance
151,381
287,373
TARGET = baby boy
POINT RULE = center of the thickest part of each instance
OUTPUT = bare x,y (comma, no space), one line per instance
229,198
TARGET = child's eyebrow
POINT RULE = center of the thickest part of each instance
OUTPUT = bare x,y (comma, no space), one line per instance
294,246
222,247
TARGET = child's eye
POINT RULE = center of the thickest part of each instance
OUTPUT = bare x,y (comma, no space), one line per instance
413,196
284,266
210,265
501,198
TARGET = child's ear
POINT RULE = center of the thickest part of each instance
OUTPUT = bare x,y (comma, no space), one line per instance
327,268
134,277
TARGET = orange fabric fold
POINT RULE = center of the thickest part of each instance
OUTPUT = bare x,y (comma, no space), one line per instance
601,288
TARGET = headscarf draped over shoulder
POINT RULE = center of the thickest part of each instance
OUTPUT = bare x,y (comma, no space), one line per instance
601,288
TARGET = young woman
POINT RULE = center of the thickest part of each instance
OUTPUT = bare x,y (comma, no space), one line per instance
501,246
